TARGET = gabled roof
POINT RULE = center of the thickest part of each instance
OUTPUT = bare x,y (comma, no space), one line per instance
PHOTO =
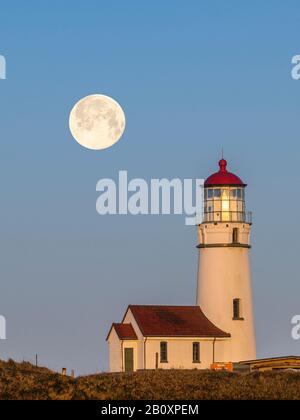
174,321
124,331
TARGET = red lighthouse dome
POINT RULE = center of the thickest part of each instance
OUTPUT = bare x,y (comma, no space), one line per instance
223,177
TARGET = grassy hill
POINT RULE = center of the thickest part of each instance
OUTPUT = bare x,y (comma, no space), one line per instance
24,381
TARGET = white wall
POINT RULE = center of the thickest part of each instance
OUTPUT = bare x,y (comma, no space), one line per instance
224,274
114,349
180,352
117,354
129,319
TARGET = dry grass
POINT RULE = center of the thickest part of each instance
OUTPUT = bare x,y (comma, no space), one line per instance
24,381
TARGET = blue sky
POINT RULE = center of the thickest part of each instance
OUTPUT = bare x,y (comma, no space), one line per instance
191,76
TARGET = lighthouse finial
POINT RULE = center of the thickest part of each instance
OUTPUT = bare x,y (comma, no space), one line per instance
223,164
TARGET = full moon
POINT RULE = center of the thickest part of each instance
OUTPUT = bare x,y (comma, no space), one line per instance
97,122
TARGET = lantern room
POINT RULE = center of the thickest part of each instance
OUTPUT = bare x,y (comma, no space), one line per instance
224,197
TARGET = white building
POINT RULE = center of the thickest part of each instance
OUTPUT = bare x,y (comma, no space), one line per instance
219,329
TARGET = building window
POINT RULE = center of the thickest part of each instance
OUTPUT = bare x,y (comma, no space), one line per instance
163,352
196,352
235,235
237,309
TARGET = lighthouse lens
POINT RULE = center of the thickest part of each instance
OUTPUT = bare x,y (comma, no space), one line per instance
226,204
217,193
233,193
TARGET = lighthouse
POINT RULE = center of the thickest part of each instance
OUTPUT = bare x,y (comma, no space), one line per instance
224,290
217,332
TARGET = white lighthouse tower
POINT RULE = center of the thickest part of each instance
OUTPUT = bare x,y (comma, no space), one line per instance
224,290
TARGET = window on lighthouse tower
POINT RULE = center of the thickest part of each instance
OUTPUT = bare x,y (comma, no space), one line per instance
235,235
225,205
237,310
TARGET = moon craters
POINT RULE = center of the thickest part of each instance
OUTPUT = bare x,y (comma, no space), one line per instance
97,122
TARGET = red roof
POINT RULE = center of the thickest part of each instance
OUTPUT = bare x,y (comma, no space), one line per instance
124,331
223,177
174,321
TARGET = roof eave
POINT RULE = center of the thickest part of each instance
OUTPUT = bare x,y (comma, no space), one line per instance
225,185
187,336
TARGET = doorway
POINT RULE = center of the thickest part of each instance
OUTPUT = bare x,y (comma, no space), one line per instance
128,356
